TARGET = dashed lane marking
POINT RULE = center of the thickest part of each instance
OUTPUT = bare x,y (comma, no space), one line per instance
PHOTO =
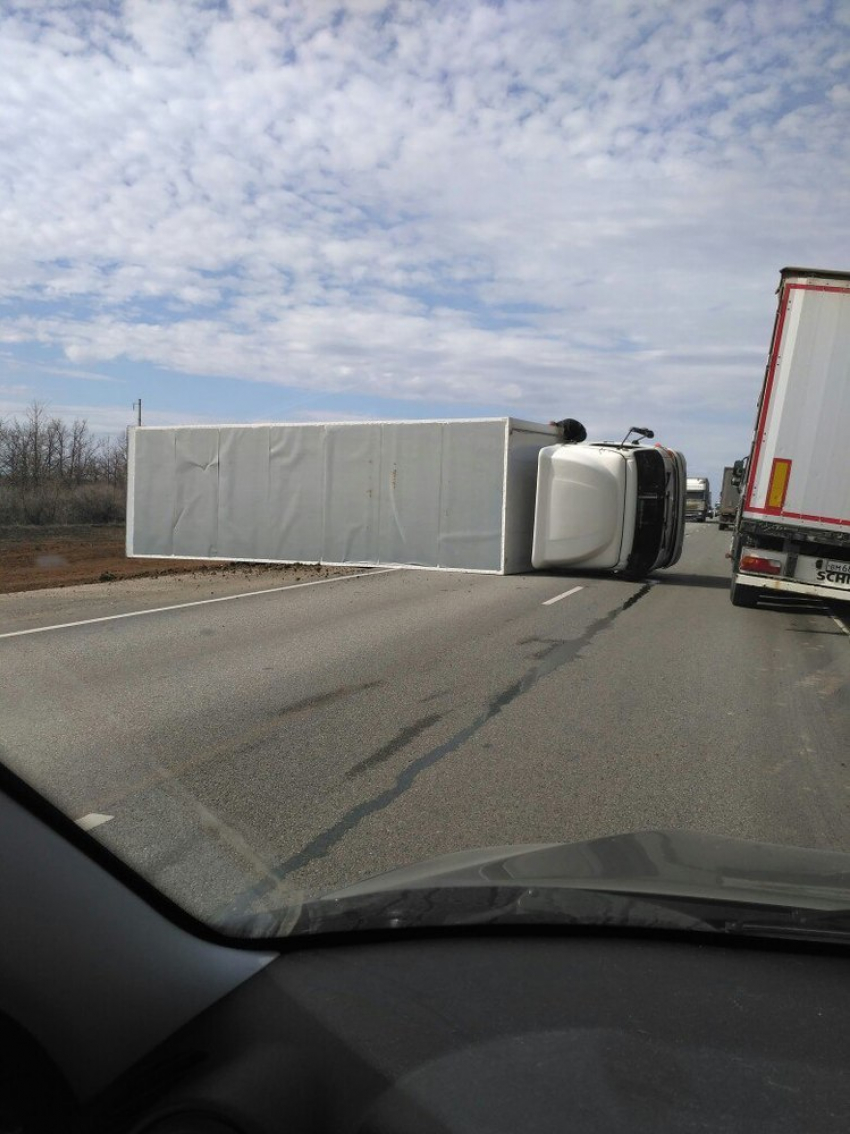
565,594
92,820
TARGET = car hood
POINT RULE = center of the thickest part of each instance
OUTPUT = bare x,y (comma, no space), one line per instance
648,879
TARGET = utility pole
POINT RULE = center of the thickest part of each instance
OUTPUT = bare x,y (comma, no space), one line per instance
138,407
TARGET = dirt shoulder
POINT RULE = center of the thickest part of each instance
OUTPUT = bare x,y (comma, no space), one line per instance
33,558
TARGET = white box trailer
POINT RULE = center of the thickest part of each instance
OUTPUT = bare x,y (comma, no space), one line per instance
441,494
793,528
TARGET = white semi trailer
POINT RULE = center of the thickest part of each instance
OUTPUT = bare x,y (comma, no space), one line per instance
792,533
495,495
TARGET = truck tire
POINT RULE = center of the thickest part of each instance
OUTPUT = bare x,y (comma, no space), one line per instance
744,596
722,527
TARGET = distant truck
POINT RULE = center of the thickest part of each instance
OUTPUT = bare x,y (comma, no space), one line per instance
698,503
730,498
793,530
496,495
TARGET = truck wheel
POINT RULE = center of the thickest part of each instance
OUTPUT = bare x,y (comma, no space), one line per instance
744,596
722,527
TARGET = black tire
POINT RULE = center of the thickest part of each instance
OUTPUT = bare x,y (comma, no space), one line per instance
722,527
744,596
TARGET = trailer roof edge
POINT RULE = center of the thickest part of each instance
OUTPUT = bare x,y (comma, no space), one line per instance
816,273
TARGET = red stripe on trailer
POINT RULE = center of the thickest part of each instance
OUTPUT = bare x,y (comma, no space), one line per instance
815,287
765,402
768,390
802,516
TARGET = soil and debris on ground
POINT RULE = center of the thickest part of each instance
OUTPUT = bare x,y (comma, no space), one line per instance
32,558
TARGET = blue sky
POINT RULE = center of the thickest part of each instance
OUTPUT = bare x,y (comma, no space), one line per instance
323,211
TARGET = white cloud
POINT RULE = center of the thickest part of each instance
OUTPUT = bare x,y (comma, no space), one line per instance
557,207
9,362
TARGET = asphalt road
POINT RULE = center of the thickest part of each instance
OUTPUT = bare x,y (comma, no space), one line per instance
306,737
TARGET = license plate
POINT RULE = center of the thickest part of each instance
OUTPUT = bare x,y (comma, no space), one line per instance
827,572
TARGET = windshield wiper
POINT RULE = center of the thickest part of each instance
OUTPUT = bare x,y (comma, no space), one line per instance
464,906
459,907
794,923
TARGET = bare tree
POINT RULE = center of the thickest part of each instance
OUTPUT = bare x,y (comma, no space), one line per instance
82,455
55,445
39,450
14,456
112,460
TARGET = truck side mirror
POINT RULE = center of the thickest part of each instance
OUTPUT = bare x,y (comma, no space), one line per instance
738,470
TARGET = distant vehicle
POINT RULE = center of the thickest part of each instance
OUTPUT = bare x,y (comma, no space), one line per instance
793,530
730,498
698,500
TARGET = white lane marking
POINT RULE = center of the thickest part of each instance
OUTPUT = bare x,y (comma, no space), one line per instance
92,820
558,598
840,624
195,602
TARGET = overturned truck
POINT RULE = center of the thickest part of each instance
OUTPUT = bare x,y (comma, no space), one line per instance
496,495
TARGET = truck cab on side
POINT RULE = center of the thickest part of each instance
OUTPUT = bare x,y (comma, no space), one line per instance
609,507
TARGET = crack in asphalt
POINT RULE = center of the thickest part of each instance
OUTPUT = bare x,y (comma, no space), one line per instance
321,845
399,741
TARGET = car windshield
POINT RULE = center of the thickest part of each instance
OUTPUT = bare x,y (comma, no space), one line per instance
355,359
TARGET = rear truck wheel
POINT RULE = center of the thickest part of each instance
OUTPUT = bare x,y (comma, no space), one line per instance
744,596
722,527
